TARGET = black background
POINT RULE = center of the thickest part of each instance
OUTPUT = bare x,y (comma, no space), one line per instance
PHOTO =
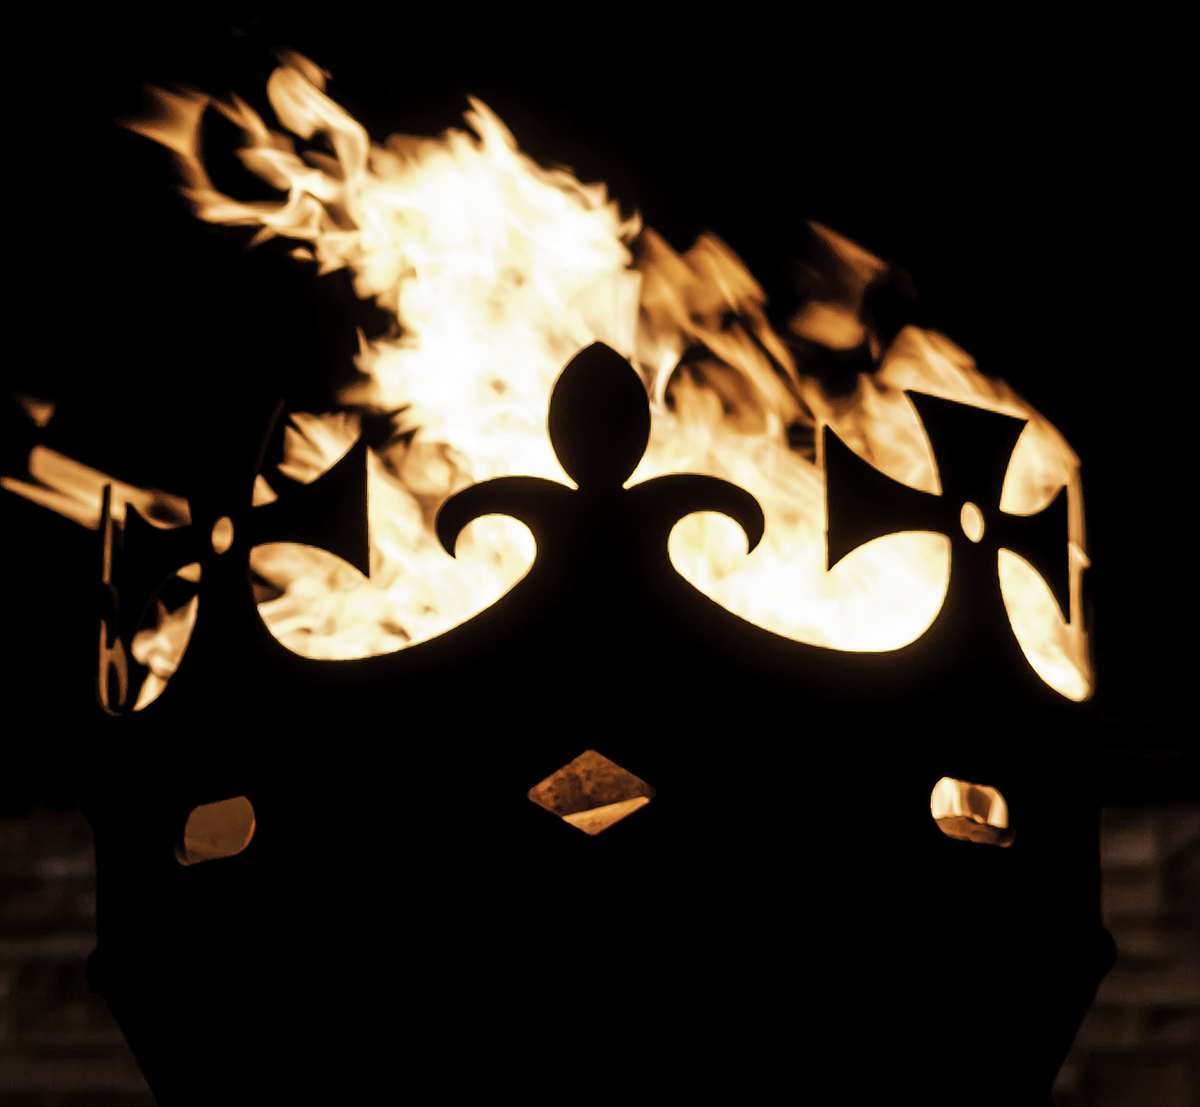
1028,177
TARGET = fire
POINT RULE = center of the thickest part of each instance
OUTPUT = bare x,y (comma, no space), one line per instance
497,271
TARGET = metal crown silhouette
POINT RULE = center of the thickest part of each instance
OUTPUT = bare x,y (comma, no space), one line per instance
602,548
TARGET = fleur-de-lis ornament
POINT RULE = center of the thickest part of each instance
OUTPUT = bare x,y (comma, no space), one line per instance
595,539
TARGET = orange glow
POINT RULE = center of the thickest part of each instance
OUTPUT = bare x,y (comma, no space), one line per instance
76,491
161,647
216,830
38,411
497,271
591,793
971,812
222,534
600,818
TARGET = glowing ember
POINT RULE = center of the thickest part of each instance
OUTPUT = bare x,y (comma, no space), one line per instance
497,271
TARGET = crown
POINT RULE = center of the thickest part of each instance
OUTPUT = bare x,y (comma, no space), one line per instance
603,547
380,804
320,877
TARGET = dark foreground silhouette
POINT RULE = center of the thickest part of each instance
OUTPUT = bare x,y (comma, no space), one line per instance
783,915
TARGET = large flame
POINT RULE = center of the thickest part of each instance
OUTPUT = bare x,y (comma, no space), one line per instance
497,271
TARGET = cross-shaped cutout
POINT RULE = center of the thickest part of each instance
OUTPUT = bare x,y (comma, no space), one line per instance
136,562
971,449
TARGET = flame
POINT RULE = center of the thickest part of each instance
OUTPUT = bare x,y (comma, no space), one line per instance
76,491
161,648
497,271
980,803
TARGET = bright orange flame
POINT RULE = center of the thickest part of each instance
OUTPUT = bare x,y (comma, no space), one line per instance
497,271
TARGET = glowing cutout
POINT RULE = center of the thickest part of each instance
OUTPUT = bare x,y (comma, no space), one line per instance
216,830
161,647
1057,655
971,519
222,534
591,793
971,812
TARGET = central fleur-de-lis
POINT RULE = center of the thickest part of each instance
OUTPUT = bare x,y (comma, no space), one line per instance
599,425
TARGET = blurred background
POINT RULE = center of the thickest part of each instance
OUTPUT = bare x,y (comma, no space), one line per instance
1028,179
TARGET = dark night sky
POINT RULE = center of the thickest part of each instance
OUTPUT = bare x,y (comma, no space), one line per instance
1029,179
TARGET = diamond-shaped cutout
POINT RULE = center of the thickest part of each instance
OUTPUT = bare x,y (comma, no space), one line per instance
591,793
